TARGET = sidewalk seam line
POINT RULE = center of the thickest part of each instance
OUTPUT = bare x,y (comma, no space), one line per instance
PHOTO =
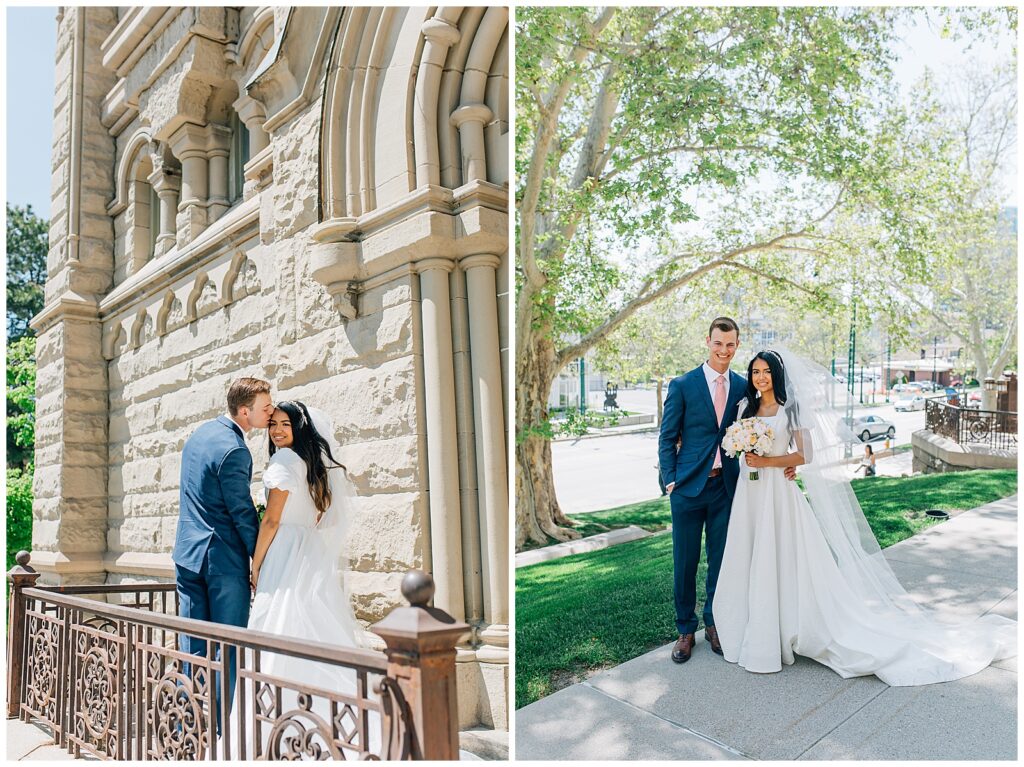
866,703
678,726
27,754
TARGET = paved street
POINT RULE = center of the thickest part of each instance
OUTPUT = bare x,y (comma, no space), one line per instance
601,472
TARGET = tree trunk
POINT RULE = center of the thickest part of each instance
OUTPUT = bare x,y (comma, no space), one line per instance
538,515
661,402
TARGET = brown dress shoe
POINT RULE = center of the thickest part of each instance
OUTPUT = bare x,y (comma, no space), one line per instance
683,647
711,634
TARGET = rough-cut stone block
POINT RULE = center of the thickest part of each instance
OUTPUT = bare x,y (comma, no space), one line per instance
387,532
374,595
135,534
141,476
392,465
296,176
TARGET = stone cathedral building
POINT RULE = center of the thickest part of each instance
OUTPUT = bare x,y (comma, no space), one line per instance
316,196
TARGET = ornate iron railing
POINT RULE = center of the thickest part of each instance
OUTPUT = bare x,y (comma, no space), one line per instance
994,428
110,680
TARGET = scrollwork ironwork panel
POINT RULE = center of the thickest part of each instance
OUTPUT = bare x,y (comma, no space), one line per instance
42,693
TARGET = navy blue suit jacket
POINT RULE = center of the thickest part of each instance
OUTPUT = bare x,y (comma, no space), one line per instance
689,414
216,519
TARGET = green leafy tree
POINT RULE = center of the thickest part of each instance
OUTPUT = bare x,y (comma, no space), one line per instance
27,245
657,343
21,402
21,387
971,292
754,147
19,513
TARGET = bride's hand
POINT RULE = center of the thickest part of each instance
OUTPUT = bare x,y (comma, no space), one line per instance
254,578
755,461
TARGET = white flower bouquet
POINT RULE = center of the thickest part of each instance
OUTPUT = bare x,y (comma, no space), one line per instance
748,435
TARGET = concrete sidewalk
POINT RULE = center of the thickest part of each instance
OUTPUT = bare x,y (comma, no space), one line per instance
651,708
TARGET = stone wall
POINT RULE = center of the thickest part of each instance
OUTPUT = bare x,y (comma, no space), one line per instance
387,311
935,454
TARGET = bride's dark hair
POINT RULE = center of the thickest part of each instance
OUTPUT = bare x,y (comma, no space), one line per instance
312,448
778,372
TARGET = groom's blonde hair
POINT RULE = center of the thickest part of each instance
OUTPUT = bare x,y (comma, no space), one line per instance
243,393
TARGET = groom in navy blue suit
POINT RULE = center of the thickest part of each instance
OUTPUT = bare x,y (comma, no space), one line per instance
700,479
217,522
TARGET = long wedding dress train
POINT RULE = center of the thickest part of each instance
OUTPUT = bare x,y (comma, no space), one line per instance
781,593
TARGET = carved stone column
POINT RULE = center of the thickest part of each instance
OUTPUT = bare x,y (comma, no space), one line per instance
167,187
188,144
218,147
442,438
470,120
252,113
488,409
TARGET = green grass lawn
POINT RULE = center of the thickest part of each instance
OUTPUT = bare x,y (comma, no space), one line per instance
583,613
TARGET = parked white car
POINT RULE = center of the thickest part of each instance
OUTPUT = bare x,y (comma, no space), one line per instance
910,403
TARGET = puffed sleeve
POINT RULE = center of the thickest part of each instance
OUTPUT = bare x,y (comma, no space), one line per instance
283,471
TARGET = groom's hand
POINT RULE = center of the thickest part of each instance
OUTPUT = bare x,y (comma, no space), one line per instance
669,486
790,472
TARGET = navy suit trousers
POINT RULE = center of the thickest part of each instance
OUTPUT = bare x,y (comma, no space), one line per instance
707,513
217,598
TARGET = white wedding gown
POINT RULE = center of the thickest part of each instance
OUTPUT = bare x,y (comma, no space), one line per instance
780,593
300,595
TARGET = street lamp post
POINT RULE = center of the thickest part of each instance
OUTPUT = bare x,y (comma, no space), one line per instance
848,451
583,388
935,359
888,368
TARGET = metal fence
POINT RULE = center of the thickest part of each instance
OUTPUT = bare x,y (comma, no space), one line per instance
993,428
110,680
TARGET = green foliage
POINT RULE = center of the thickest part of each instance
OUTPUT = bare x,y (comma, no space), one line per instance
19,512
27,246
21,401
628,587
576,424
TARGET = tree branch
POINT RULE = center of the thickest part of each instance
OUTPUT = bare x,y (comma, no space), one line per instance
546,133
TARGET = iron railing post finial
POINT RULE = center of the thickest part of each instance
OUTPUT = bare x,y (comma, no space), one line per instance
20,576
421,658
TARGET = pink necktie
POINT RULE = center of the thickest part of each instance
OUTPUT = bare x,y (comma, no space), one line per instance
720,412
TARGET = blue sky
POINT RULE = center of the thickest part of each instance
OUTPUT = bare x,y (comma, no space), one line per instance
30,63
31,42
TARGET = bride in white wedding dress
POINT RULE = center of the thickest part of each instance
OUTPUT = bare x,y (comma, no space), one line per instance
805,576
298,589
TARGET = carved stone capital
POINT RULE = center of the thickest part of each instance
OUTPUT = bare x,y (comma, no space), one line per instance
441,32
189,141
429,264
250,111
164,182
218,140
335,266
478,260
480,113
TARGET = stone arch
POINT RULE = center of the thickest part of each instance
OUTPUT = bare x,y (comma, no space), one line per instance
256,39
239,278
453,127
136,337
170,316
192,304
114,339
139,141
